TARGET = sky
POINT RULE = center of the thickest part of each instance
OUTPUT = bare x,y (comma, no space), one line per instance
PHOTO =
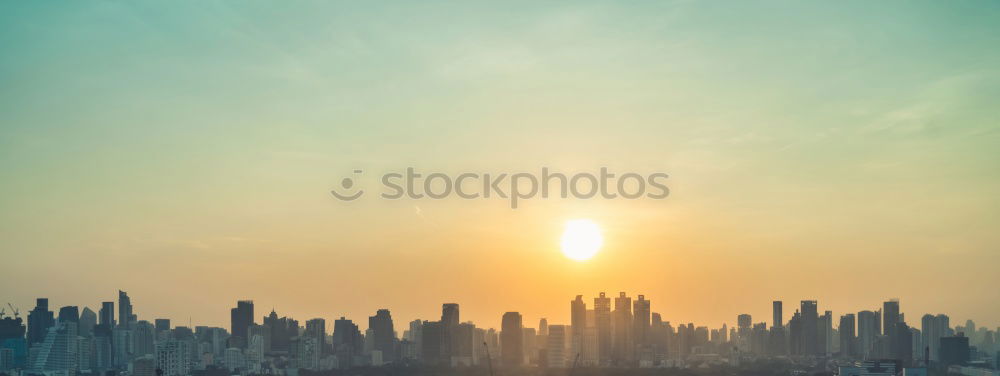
184,151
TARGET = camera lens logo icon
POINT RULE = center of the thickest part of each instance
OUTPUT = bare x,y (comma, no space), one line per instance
347,184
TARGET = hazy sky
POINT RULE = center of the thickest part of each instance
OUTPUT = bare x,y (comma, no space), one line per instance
847,152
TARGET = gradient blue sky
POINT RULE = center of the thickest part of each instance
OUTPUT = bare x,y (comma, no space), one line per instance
839,151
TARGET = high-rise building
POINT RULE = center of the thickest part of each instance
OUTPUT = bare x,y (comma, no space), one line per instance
125,316
954,351
241,318
107,315
87,322
868,332
602,320
431,345
57,351
173,357
162,325
69,314
847,336
511,340
384,337
621,329
40,319
890,316
776,319
315,329
640,323
449,321
578,324
810,328
555,348
347,342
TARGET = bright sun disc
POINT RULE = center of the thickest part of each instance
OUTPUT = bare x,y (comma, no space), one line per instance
582,239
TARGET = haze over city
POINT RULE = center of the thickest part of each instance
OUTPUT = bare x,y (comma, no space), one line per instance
186,153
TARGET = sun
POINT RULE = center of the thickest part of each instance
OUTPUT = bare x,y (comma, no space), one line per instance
582,239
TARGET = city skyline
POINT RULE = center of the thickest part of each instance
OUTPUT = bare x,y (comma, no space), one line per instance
775,308
724,163
615,331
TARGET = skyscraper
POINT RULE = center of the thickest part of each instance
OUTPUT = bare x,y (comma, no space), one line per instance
555,348
511,341
107,315
847,336
602,318
890,316
810,328
868,331
776,314
40,319
578,324
315,329
241,318
346,341
621,329
640,327
449,322
383,334
69,314
124,309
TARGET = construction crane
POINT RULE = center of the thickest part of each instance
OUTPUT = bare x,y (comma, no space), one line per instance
14,309
489,361
576,360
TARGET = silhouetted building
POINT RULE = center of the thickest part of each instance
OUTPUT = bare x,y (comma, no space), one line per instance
847,337
347,343
384,334
954,351
621,328
602,320
776,320
511,340
40,319
810,328
241,318
125,316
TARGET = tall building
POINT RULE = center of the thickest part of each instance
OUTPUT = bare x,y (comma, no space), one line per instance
57,351
641,317
106,316
868,332
449,322
744,325
125,316
162,325
890,316
315,329
621,328
432,343
88,320
347,342
933,328
810,328
954,351
776,319
69,314
555,348
40,319
847,336
825,336
578,324
511,341
173,357
602,320
241,318
383,334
